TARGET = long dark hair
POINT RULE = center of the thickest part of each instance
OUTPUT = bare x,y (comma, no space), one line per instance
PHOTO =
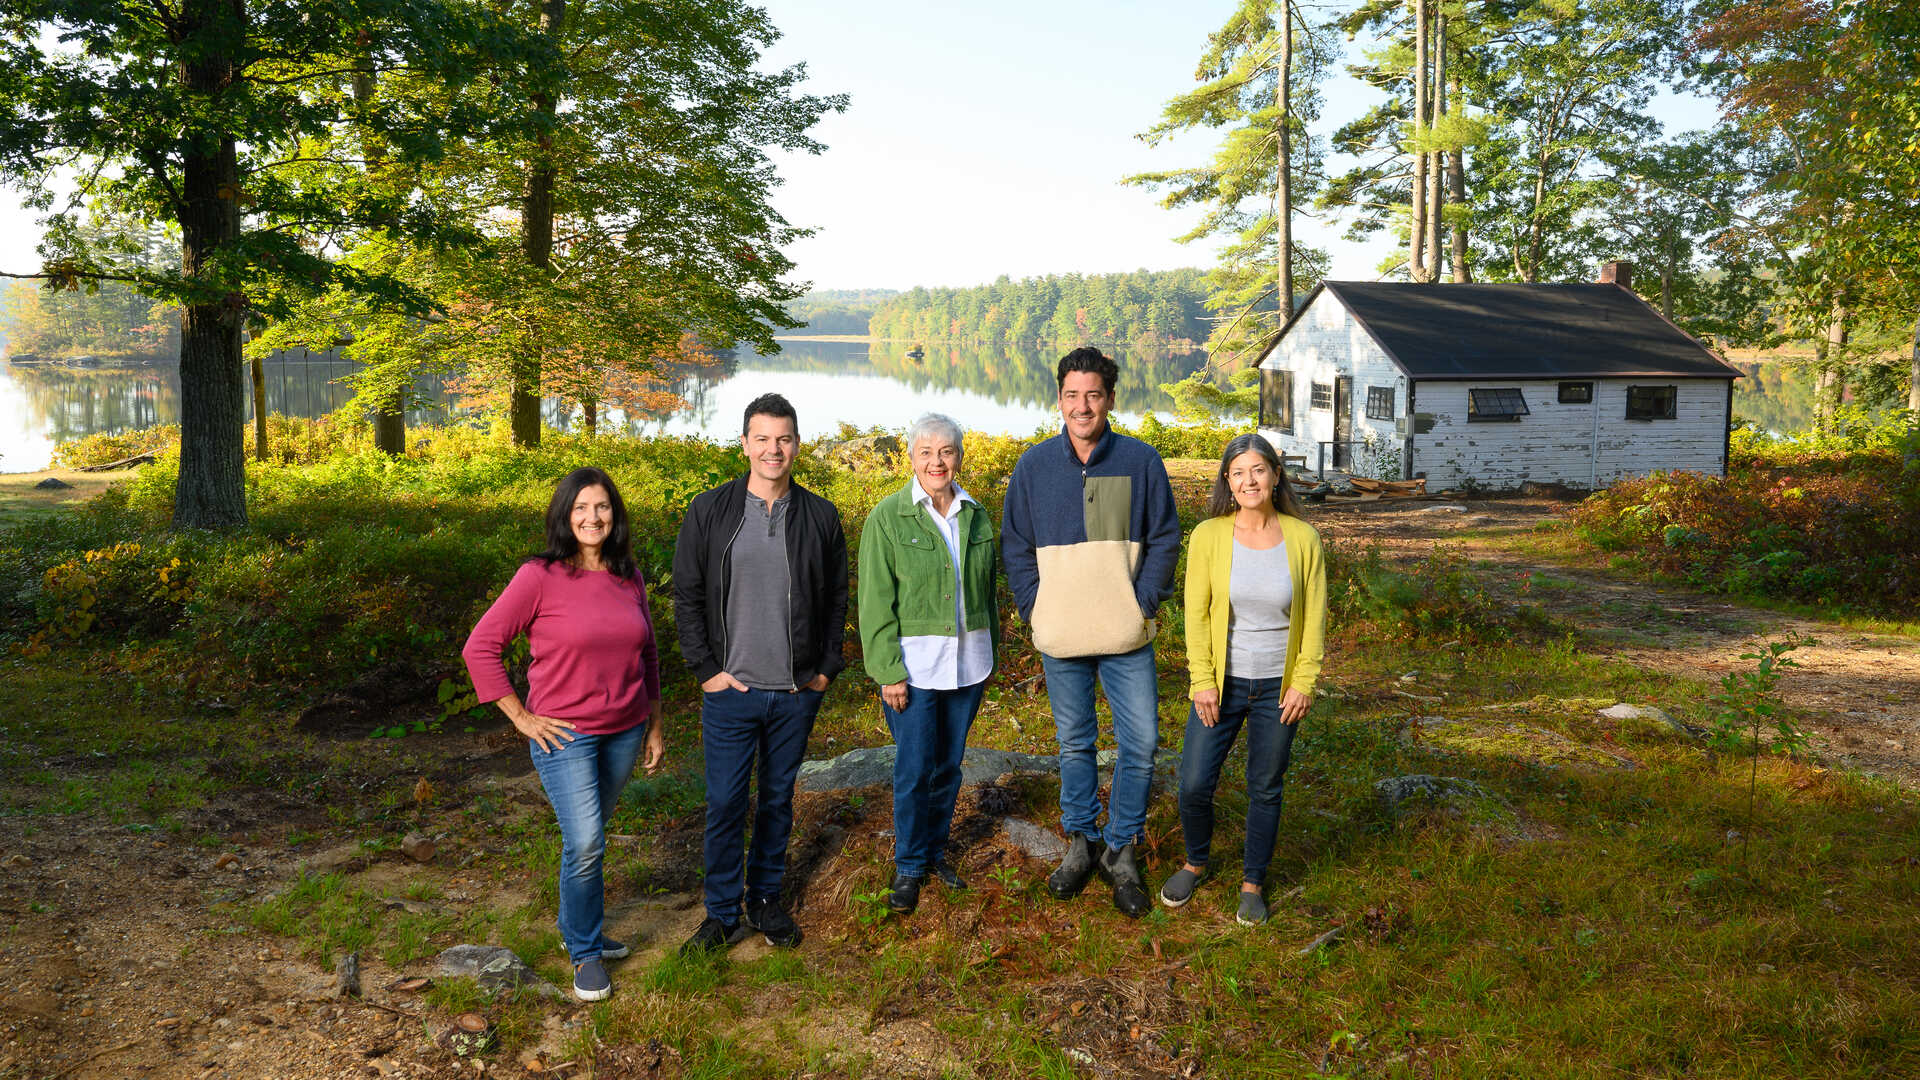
1222,501
616,551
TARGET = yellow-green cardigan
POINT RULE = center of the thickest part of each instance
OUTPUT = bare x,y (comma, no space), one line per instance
1209,566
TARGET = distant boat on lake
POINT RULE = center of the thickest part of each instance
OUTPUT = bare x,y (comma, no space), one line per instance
916,353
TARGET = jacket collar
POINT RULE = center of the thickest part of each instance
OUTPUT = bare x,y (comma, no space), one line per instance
1100,449
914,495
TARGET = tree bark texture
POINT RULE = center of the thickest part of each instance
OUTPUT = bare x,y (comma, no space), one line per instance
1457,197
536,242
259,370
1913,378
212,489
1436,188
1830,385
1283,185
1417,226
390,416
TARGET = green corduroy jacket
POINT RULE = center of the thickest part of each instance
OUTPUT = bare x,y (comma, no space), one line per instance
906,580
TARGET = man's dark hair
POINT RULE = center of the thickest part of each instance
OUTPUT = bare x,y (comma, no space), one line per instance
1088,358
769,405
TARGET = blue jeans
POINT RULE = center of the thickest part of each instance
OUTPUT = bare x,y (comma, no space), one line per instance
930,738
1254,703
1133,693
583,780
739,731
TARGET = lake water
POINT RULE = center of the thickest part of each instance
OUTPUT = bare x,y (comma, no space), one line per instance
988,389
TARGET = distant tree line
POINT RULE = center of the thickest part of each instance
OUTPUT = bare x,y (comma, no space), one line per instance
837,311
111,319
1145,307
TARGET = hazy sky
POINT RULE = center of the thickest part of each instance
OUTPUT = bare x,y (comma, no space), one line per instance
990,138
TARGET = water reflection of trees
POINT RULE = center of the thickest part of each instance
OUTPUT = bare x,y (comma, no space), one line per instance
1016,375
1774,395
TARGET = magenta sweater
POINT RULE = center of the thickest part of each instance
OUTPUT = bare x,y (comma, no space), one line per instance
594,658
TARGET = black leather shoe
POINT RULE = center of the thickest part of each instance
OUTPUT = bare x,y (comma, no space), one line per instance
1120,870
948,876
1083,855
905,894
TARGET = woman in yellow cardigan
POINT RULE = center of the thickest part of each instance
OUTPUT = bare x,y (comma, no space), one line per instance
1256,620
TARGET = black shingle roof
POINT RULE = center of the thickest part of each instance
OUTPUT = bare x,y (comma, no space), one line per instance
1523,331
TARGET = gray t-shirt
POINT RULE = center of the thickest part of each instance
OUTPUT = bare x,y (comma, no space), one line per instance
759,598
1260,606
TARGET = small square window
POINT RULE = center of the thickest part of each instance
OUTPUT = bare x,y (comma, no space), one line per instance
1276,400
1652,402
1576,393
1322,396
1504,403
1379,402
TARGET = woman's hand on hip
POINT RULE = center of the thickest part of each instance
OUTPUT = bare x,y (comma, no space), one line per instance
549,732
656,742
895,695
1207,704
1294,706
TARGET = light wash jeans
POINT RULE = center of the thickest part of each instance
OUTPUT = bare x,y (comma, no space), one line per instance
1133,693
583,780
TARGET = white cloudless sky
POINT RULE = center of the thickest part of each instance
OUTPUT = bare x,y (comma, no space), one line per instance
990,138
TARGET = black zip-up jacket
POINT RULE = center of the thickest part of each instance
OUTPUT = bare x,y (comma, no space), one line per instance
816,561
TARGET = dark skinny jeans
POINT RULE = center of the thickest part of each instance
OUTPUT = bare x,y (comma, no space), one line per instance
1256,704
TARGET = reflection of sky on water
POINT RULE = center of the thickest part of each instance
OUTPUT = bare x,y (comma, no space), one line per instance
987,389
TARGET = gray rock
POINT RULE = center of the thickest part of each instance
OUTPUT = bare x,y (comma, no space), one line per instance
1036,840
346,971
53,483
1646,713
1394,794
871,766
494,968
1442,508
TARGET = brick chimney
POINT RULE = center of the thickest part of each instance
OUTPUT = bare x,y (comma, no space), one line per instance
1618,272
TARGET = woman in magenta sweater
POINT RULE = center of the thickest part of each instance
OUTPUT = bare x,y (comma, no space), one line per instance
593,692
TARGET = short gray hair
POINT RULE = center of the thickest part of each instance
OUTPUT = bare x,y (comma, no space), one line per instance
940,426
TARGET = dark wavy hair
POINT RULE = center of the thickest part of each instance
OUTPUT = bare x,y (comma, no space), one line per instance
616,551
773,405
1222,502
1088,358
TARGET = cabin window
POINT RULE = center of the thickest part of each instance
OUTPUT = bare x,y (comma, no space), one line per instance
1652,402
1379,402
1576,393
1503,403
1322,397
1276,400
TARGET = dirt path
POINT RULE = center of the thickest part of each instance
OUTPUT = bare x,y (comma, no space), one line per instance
1860,691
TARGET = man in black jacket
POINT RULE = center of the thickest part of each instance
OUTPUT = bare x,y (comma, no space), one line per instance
760,596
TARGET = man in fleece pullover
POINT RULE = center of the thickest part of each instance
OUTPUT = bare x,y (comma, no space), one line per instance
1090,537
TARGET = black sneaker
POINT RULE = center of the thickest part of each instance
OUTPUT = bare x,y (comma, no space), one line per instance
613,950
590,982
904,894
1083,854
948,876
712,936
772,920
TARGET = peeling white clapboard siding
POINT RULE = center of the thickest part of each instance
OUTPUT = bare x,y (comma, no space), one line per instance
1326,342
1580,445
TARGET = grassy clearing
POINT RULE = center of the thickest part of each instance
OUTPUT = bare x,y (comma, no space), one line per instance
1614,909
21,500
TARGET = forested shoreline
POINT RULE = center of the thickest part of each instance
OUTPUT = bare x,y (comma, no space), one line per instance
1146,307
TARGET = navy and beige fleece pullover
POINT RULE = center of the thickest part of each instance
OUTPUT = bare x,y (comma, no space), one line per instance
1090,547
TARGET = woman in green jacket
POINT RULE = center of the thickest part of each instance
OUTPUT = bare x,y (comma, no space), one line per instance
928,629
1256,618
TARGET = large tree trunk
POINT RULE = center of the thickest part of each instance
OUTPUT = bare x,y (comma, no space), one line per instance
1436,185
390,416
212,489
1830,385
1283,186
536,242
259,369
1457,196
1913,379
1417,226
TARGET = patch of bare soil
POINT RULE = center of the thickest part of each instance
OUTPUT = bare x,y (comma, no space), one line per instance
1859,692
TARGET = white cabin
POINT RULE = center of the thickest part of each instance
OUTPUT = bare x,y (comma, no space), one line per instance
1494,386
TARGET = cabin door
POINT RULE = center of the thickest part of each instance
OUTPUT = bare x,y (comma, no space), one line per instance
1342,421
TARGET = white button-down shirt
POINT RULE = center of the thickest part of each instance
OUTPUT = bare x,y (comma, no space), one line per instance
965,657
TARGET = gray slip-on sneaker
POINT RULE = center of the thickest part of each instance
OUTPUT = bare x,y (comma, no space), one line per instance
590,982
1253,909
1179,888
